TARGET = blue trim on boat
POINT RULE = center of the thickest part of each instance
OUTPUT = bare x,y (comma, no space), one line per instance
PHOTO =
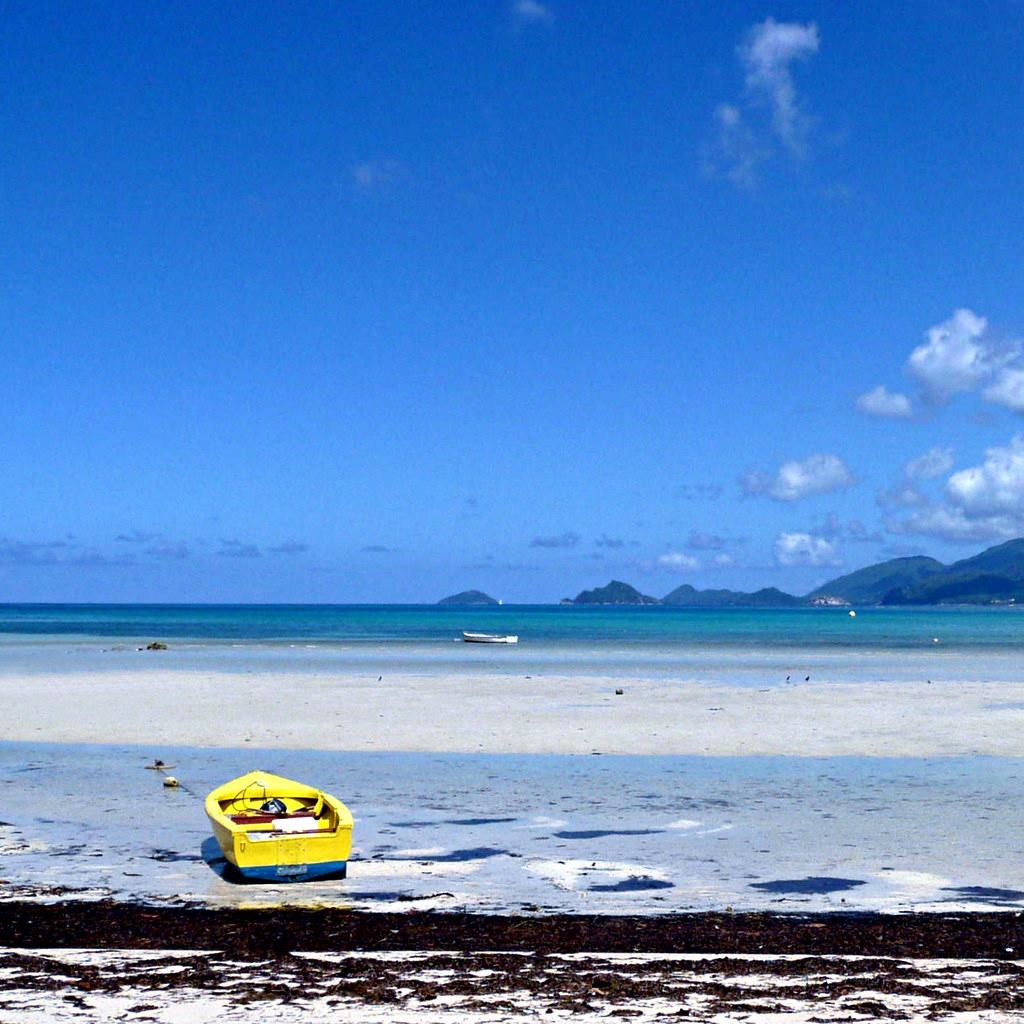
294,872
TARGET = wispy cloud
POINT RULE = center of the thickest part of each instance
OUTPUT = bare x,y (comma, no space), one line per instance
167,549
804,549
678,561
700,492
60,553
770,114
767,56
136,537
823,473
562,540
932,464
374,175
376,549
907,492
20,552
532,12
885,404
289,547
701,541
238,549
604,541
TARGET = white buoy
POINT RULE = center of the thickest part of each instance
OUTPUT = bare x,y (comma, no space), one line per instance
853,614
171,782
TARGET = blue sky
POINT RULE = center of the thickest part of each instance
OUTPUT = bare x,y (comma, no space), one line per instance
330,302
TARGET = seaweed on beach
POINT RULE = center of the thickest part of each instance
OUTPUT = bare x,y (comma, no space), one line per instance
488,982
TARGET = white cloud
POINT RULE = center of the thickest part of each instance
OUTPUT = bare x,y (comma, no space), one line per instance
996,487
770,49
532,11
678,561
984,502
803,549
1008,389
933,463
817,474
954,357
884,403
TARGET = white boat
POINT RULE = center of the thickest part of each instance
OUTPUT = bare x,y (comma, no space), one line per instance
490,638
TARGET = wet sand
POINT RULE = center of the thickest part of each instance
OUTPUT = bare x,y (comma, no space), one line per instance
510,714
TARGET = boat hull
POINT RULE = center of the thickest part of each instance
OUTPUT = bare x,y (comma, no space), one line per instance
306,834
327,869
489,638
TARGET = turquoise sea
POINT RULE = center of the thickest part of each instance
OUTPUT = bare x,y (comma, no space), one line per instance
560,627
733,646
534,833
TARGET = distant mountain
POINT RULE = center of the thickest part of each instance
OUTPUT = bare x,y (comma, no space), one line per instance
468,597
615,592
995,576
770,597
871,584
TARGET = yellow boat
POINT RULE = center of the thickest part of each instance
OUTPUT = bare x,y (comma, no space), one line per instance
275,829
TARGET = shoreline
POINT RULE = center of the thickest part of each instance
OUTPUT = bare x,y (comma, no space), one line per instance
549,714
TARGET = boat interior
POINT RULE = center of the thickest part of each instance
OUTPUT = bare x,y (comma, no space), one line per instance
255,808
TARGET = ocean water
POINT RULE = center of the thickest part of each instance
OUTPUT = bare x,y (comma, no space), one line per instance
740,646
534,833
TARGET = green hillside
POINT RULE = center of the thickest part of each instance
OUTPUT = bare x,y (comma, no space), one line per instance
472,597
871,584
994,576
615,592
769,597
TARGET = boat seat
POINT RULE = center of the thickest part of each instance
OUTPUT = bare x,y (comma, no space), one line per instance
265,819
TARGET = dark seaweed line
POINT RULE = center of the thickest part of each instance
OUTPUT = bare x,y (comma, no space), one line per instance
116,925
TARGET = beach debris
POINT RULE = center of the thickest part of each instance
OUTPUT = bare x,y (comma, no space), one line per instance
156,645
170,782
619,691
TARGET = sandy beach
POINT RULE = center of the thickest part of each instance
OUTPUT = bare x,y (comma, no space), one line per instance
509,714
411,966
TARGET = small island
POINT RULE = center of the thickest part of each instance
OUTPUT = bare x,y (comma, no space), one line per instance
469,597
615,592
